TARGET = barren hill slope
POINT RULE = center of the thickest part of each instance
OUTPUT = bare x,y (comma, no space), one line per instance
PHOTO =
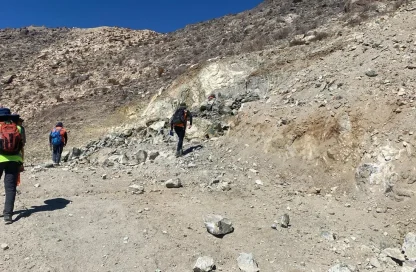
317,124
51,74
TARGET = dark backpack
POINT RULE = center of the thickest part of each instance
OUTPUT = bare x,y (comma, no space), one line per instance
179,117
56,137
10,139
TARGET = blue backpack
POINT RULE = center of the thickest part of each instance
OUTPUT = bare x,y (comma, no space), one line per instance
56,137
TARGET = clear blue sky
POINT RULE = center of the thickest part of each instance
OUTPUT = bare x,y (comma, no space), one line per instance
158,15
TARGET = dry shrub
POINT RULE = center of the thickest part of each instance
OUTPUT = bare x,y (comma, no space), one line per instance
282,33
113,81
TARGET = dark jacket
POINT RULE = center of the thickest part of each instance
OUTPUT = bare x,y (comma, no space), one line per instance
188,117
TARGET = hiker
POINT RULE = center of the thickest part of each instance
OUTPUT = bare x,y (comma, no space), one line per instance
178,123
11,160
58,138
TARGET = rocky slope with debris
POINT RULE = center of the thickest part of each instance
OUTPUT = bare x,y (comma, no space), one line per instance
303,161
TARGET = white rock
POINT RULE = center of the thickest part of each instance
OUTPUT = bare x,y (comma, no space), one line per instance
173,183
247,263
394,253
409,246
340,268
204,264
375,263
136,189
4,246
218,225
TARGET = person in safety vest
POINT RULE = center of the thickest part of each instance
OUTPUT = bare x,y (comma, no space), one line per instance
11,159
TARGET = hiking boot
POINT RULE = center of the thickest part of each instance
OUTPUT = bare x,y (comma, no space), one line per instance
181,152
177,154
8,219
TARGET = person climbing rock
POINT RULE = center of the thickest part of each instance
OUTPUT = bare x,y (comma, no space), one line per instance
178,124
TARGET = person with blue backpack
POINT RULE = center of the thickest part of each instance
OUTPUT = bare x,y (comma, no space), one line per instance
58,138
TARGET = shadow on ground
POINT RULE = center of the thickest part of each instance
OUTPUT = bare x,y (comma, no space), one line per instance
192,149
50,205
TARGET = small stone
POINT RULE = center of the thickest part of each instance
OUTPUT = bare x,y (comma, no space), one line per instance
315,191
173,183
7,79
340,268
218,225
37,185
141,156
328,235
136,189
285,221
247,263
104,176
204,264
401,92
224,186
153,155
381,210
259,182
371,73
4,246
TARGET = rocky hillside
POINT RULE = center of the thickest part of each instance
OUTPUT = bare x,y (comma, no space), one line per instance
51,74
305,157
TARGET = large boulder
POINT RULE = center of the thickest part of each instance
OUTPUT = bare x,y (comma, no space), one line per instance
409,246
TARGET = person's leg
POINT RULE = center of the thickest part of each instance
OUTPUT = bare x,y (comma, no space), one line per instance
54,154
181,142
180,131
59,153
11,172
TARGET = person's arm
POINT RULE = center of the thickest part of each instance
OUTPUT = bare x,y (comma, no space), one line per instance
23,133
50,140
66,138
190,119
